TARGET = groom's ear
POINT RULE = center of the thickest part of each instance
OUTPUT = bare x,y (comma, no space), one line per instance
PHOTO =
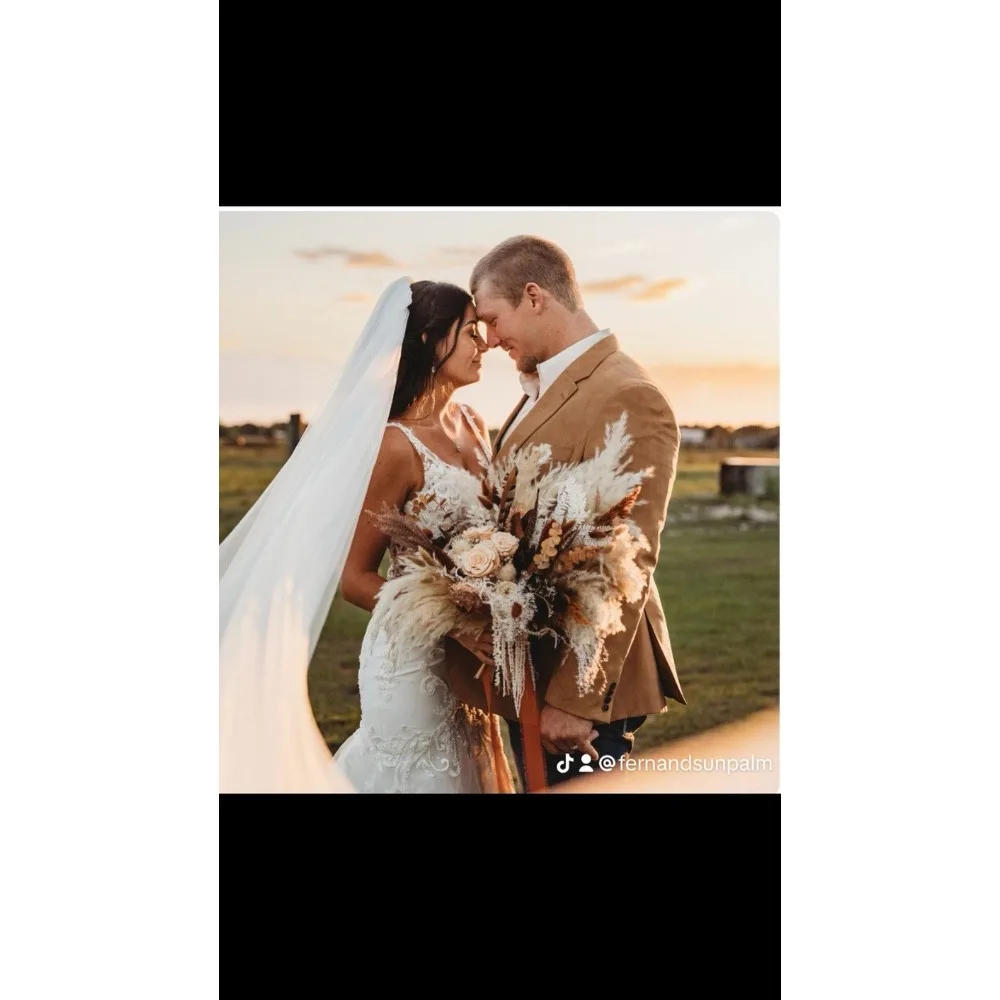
533,292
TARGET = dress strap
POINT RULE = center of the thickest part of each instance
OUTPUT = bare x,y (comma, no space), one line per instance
422,449
483,442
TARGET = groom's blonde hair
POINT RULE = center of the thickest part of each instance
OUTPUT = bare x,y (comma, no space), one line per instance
510,265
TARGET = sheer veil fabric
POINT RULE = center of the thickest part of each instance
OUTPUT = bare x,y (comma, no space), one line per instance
280,566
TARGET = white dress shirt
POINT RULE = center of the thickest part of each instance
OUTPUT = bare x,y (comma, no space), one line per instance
548,371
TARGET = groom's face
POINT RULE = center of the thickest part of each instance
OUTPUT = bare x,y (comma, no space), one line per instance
511,328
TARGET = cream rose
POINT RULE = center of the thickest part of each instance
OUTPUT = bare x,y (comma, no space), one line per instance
507,573
478,534
481,561
505,544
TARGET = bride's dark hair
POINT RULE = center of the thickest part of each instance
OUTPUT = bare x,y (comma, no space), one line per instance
434,307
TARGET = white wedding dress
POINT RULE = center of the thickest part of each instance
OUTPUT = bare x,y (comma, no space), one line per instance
279,570
414,736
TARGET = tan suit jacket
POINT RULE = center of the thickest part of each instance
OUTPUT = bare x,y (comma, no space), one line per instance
571,417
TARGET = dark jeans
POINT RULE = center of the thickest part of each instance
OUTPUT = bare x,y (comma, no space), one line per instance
613,739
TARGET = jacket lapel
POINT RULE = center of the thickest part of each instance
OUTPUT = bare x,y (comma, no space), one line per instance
545,408
550,402
503,430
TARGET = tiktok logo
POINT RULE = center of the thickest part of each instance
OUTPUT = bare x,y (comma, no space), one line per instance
563,766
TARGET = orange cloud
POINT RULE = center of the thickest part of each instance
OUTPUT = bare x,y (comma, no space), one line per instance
659,289
353,258
370,260
612,284
471,254
318,253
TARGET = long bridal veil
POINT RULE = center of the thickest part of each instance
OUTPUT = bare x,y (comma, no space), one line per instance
280,566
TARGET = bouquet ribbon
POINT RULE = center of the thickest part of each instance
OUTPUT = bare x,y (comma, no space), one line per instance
531,733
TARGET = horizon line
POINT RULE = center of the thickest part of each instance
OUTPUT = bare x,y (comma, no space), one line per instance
698,426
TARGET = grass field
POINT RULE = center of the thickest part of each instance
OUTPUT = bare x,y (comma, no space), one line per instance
717,577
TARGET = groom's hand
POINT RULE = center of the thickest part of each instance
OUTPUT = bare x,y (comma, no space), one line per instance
563,733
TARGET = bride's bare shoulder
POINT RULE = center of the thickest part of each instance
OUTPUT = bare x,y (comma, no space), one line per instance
396,446
398,469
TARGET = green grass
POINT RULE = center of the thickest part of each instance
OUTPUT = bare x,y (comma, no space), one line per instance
718,580
719,588
243,476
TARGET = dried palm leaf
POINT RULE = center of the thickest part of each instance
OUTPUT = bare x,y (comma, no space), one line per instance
622,509
407,534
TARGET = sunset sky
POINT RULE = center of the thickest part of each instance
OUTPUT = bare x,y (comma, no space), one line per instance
692,296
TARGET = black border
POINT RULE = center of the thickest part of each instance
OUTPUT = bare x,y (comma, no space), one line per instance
677,877
686,113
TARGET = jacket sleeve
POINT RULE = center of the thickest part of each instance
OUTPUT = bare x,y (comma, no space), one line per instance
656,442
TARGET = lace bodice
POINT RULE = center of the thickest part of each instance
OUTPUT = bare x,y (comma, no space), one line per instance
447,488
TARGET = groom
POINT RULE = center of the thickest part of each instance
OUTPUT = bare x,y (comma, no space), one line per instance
576,381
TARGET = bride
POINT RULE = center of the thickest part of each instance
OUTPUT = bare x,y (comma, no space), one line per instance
389,433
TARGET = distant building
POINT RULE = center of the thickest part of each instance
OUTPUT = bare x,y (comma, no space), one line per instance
755,438
254,440
695,436
276,435
719,437
247,436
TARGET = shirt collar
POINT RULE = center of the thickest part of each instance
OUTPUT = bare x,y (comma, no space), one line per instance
530,385
548,371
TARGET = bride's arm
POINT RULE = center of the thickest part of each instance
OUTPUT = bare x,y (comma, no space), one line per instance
396,474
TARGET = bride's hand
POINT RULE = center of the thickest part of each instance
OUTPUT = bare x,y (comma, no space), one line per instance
480,646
